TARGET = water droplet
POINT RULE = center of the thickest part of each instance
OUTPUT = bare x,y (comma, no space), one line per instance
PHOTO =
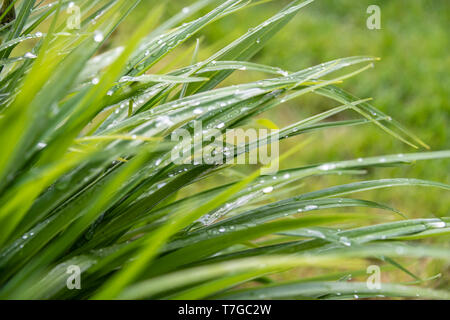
345,241
268,190
327,167
161,185
440,224
30,55
98,36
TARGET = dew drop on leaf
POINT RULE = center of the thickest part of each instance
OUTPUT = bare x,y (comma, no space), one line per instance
268,190
98,36
30,55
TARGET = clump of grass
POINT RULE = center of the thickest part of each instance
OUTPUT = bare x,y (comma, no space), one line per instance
86,177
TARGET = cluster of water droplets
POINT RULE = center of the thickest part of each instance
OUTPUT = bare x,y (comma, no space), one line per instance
212,217
21,39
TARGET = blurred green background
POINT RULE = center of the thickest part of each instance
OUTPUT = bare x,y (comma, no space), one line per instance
411,83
